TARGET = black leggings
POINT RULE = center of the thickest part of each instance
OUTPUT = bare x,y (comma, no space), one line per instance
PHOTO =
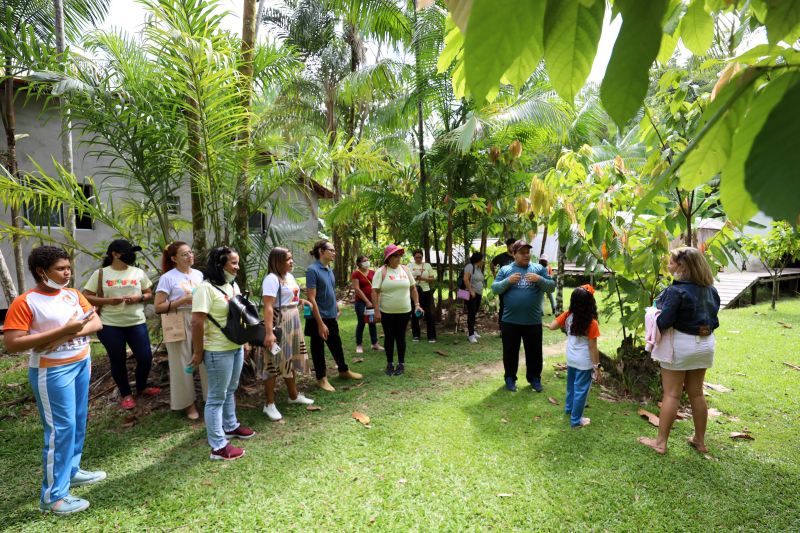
394,333
473,304
426,303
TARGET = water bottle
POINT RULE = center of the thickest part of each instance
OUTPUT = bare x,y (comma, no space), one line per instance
189,369
306,310
369,316
418,313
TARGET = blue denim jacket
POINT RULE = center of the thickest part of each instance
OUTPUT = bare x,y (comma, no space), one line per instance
689,308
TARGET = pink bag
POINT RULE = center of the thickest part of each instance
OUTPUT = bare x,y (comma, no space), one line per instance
462,294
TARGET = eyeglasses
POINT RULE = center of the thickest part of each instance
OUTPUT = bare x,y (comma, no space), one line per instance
187,254
330,249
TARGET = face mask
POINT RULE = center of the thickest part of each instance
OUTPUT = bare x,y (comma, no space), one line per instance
128,258
53,285
228,276
365,264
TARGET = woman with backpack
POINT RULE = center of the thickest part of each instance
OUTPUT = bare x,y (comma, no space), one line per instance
121,290
390,290
474,282
223,358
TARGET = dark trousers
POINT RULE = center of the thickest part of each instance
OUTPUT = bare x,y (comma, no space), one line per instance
531,337
473,304
394,334
426,302
373,329
114,340
317,343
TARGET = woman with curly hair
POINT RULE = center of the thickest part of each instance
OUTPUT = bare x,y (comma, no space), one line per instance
583,357
53,322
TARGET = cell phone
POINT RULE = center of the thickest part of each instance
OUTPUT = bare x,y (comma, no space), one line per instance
276,349
87,314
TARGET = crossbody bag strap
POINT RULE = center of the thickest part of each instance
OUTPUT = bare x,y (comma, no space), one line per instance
208,315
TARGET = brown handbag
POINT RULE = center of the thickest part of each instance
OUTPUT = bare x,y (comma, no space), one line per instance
99,291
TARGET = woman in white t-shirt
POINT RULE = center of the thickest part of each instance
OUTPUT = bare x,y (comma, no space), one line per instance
173,302
286,355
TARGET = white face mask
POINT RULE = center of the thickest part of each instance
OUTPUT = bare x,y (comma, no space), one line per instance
365,264
228,276
53,285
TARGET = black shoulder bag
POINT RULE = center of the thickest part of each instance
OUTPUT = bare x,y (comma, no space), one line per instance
243,325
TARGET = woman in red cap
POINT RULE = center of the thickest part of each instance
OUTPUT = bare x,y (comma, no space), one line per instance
390,289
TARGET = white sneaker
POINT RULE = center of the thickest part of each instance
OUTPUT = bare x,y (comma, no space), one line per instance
476,335
431,341
473,339
302,400
272,412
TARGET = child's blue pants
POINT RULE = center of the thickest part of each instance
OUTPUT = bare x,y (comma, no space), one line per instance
578,384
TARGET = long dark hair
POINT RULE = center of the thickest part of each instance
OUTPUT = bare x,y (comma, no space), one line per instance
277,257
217,259
584,309
475,258
170,251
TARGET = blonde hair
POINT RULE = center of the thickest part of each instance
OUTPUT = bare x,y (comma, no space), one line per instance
694,265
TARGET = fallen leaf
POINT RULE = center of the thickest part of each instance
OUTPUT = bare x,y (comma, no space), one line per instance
650,417
741,374
537,418
715,387
313,408
741,435
734,418
784,324
790,365
129,422
358,359
608,398
504,421
735,332
714,412
552,400
401,480
559,375
504,495
560,366
372,520
440,352
361,417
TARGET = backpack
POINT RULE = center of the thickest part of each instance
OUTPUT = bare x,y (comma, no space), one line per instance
243,325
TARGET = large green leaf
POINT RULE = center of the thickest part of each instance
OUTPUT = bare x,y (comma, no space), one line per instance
667,48
772,165
498,31
571,34
697,28
783,18
711,154
626,79
735,198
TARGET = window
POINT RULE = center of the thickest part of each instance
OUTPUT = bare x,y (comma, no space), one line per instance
85,221
173,204
256,222
44,216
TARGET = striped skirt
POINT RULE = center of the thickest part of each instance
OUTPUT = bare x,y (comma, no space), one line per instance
293,355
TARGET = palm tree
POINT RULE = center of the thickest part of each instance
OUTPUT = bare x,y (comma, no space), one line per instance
24,27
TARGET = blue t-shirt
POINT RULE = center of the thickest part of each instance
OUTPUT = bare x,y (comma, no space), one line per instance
522,303
322,278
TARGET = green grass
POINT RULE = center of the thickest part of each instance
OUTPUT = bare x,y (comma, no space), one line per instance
448,450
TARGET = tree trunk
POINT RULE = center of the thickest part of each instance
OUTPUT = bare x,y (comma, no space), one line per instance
242,214
10,124
259,17
775,290
7,281
544,240
199,234
562,252
66,128
439,269
423,176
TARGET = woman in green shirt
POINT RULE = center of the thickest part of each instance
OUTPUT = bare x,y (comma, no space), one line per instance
122,290
223,358
390,290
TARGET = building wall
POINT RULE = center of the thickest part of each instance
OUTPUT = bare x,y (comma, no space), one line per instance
43,143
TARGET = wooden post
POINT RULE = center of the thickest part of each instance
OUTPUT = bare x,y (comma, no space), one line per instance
753,292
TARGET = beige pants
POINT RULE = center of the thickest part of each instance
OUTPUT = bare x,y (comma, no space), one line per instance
181,384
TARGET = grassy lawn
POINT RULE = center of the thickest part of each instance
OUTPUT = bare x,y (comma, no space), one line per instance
447,450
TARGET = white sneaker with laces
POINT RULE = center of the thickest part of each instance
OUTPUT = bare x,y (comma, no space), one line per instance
477,336
472,339
301,399
272,412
